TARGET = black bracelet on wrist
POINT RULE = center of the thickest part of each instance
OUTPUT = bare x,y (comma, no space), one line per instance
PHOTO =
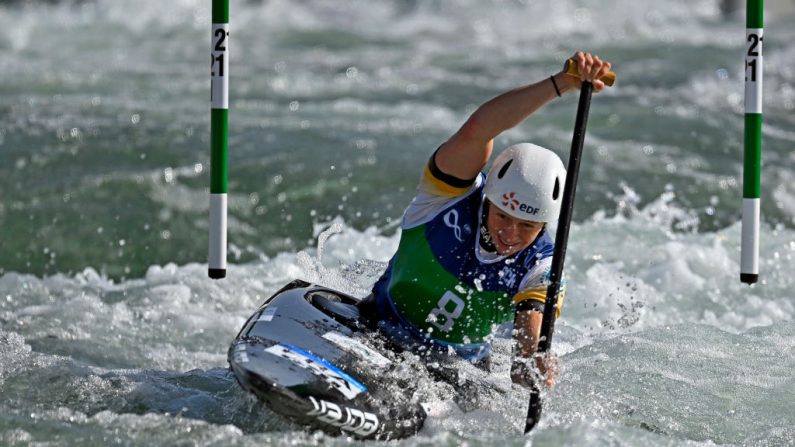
554,84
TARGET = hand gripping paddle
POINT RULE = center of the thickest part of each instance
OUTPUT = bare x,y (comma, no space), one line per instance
570,68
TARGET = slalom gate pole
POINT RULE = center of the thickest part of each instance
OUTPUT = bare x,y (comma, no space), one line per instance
561,240
752,158
219,138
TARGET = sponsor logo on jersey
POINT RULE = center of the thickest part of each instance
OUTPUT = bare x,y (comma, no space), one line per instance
451,220
508,275
352,420
333,376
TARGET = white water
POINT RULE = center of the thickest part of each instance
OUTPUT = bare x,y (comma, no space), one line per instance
660,344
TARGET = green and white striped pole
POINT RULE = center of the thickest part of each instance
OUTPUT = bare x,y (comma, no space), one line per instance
749,246
219,138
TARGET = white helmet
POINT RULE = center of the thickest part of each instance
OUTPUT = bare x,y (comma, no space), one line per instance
526,181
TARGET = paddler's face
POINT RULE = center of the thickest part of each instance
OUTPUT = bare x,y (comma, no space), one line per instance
510,234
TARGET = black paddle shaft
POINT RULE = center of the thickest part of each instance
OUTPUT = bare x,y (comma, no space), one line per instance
561,240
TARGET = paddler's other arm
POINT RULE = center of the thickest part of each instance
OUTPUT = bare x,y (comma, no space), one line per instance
469,149
527,330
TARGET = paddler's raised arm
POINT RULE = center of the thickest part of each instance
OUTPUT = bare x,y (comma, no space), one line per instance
469,149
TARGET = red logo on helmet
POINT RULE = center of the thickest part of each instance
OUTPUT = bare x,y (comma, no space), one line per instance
509,200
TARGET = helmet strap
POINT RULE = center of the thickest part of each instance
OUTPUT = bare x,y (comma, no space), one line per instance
486,242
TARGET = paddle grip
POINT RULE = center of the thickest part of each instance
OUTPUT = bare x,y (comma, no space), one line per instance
571,69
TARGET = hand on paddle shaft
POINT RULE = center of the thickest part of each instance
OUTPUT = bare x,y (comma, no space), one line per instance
546,369
588,73
527,325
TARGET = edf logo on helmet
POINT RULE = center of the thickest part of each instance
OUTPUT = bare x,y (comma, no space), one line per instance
509,199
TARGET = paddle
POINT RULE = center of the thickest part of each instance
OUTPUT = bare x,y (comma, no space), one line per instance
562,235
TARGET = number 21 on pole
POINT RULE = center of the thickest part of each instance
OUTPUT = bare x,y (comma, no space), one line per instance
752,158
219,138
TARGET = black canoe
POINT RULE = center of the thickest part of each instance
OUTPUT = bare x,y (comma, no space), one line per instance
302,353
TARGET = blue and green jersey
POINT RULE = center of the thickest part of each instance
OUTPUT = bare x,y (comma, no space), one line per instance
441,287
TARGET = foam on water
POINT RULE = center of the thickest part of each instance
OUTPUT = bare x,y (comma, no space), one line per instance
687,381
659,342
